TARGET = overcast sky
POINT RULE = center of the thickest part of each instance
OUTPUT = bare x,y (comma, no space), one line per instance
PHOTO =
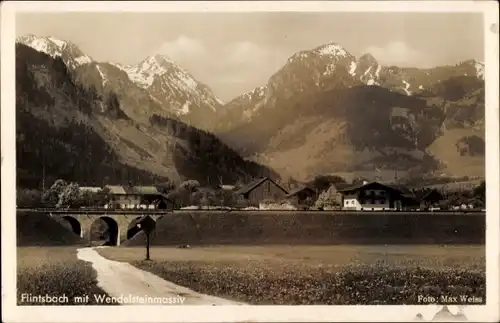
235,52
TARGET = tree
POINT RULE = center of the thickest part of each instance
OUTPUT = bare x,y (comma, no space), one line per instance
27,198
51,196
85,198
102,197
323,182
166,187
70,196
328,199
190,185
480,192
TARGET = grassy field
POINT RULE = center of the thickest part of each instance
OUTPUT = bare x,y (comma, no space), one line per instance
317,274
54,271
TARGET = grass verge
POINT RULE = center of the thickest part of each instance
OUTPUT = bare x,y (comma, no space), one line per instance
333,275
55,272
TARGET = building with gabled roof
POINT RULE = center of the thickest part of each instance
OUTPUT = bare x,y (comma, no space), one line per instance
133,197
372,196
259,190
93,189
302,196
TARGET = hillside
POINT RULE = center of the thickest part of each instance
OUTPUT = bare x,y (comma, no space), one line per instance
73,125
325,111
156,84
36,229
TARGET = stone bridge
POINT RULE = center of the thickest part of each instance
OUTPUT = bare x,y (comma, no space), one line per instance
121,224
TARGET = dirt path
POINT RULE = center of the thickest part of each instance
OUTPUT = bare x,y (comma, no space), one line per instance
133,286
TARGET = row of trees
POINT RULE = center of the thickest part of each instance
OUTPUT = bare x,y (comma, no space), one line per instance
62,194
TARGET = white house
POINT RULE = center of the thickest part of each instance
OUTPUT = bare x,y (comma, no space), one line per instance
371,196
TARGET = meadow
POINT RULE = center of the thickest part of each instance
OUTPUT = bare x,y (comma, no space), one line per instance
55,271
300,275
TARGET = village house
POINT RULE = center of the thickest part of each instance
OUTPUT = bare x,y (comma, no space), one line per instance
429,198
138,197
302,197
260,190
92,189
374,196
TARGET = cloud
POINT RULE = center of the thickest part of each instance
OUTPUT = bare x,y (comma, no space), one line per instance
183,47
395,53
225,67
247,52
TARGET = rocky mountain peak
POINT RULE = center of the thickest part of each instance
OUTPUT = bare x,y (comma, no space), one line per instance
367,59
368,69
331,49
54,47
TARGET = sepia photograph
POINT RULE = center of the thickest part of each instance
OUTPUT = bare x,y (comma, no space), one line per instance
232,155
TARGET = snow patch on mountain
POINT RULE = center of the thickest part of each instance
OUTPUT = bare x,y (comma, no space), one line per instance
58,42
367,71
332,49
258,92
56,48
43,45
406,88
145,73
118,65
185,108
83,60
377,72
479,70
104,79
352,68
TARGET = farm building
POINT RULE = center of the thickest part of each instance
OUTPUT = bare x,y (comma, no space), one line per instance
429,198
302,196
259,190
137,197
373,196
92,189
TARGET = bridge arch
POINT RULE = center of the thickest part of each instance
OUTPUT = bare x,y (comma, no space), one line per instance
72,224
106,230
132,229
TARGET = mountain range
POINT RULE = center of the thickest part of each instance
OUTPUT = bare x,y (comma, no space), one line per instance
96,124
325,111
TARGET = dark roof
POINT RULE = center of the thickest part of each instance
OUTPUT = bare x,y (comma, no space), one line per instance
341,186
255,183
354,187
137,190
401,190
300,189
422,195
405,191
